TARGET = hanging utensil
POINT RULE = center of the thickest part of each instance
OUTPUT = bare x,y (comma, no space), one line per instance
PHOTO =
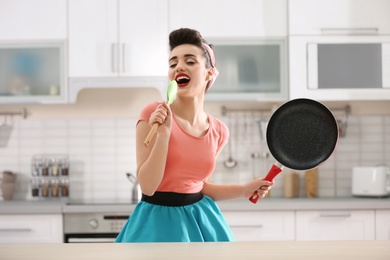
5,133
230,162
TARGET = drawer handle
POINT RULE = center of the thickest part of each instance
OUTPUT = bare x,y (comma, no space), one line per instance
15,229
246,226
335,215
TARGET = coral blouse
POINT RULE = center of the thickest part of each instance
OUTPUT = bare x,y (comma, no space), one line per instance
191,160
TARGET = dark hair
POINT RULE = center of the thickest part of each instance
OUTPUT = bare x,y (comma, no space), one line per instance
189,36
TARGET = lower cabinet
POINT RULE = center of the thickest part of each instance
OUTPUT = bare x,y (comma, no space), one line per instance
31,228
382,221
261,225
335,225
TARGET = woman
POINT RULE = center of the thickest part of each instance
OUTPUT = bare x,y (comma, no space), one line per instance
178,200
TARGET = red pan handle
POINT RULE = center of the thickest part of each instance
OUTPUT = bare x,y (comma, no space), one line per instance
275,170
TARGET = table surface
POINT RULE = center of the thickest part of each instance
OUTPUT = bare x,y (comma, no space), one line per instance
367,250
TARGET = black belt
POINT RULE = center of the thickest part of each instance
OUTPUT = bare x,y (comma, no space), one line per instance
172,198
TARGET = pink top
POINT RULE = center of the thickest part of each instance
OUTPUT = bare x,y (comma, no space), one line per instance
191,160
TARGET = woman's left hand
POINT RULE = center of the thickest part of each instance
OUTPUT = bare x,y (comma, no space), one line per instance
259,186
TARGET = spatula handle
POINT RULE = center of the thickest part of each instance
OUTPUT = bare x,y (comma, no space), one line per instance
273,172
151,134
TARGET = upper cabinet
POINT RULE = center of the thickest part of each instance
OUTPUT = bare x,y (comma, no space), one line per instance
250,70
235,18
250,43
33,51
319,17
118,38
33,20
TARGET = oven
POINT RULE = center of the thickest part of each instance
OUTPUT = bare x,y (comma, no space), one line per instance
93,227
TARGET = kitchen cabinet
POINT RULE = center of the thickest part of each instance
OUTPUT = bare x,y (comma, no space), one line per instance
335,225
31,228
250,70
252,18
261,225
33,72
339,68
33,20
118,38
382,223
322,17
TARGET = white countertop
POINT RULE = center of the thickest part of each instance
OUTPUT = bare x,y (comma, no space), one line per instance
269,204
278,250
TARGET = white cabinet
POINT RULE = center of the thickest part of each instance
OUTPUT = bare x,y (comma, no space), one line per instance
118,38
234,18
335,225
33,20
382,223
33,72
308,17
31,228
256,226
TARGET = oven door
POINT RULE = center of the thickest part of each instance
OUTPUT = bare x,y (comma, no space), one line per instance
90,238
93,227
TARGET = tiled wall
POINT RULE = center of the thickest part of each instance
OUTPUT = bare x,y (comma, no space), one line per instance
103,150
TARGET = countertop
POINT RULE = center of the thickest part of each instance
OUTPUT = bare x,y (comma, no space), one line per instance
269,204
279,250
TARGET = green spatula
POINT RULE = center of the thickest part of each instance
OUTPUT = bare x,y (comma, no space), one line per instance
171,96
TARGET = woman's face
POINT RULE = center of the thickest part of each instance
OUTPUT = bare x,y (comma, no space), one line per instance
187,66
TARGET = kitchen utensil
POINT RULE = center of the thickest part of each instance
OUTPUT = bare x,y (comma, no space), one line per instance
301,134
171,96
230,162
5,133
136,193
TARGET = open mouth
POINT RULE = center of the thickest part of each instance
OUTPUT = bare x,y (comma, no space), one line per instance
182,80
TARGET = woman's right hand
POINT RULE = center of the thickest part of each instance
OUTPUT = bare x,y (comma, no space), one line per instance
163,116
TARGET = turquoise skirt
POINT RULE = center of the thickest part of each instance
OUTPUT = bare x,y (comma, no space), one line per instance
201,221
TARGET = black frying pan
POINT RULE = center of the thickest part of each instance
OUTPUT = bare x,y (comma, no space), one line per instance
301,134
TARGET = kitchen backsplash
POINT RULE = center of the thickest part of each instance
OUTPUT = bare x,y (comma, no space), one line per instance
103,150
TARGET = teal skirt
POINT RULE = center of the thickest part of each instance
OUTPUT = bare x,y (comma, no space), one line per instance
201,221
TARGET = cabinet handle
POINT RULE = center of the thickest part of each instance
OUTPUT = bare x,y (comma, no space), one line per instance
335,215
352,30
246,226
114,57
15,229
124,57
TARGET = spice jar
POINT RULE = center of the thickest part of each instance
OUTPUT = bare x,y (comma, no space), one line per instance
35,187
64,187
54,187
54,167
44,187
44,167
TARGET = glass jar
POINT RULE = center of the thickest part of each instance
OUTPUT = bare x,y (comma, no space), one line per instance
45,187
64,187
54,167
54,184
35,188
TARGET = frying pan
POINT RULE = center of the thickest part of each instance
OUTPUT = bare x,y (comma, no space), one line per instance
301,134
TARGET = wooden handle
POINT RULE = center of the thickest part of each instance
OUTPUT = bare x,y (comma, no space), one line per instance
150,136
275,170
